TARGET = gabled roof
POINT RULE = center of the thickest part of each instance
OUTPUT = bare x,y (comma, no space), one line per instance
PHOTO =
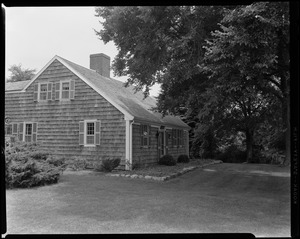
132,105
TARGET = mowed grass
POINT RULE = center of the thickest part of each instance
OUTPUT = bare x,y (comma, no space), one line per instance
220,198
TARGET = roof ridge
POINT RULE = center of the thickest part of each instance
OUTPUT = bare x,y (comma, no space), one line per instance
94,71
76,64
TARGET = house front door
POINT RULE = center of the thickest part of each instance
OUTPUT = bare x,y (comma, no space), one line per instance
161,144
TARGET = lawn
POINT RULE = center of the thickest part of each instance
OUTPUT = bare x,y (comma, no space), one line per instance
219,198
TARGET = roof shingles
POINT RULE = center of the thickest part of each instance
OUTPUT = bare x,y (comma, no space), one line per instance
133,103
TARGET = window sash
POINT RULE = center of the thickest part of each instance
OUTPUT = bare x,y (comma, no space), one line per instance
89,132
43,91
145,135
28,129
90,139
90,128
65,90
28,132
8,129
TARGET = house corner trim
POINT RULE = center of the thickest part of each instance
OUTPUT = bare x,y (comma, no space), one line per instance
128,144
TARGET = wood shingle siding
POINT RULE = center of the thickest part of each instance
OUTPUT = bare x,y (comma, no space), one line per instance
144,155
58,121
74,111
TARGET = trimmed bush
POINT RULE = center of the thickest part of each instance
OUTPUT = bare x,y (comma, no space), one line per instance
167,160
27,166
183,159
108,164
76,163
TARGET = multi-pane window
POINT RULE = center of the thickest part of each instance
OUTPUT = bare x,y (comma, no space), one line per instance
65,90
90,133
180,137
28,132
177,137
174,137
8,129
145,135
43,91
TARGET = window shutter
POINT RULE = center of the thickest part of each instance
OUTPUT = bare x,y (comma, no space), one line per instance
21,131
167,139
72,89
97,132
35,92
141,134
173,138
15,128
81,133
57,87
34,132
149,135
49,91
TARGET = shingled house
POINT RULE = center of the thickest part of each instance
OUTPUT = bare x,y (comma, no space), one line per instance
75,111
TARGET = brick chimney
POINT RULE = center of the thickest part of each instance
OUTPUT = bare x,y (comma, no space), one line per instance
100,63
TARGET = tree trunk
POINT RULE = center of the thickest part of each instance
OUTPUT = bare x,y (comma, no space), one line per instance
249,145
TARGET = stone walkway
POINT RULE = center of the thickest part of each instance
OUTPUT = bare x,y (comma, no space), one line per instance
164,178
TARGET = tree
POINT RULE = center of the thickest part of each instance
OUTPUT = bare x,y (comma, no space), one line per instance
253,45
246,56
19,74
161,44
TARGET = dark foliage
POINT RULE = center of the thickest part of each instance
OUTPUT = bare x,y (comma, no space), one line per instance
232,155
108,164
77,163
27,166
183,159
167,160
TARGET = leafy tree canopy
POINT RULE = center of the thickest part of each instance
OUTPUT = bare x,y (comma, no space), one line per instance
17,73
226,69
158,44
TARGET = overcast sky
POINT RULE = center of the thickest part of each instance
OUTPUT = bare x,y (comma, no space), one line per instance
34,35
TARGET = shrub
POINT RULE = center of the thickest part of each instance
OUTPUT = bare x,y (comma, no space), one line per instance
76,163
167,160
136,165
26,166
232,155
57,161
273,156
108,164
183,159
39,155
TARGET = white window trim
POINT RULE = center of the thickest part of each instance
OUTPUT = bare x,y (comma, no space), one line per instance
24,130
39,91
85,132
60,90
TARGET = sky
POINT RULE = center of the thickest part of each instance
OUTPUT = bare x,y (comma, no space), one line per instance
34,35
